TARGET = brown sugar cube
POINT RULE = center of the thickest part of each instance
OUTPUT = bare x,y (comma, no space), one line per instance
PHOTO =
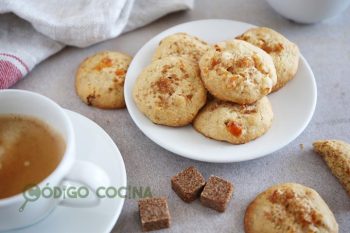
217,193
188,184
154,213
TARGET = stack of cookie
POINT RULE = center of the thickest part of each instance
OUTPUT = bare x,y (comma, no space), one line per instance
237,73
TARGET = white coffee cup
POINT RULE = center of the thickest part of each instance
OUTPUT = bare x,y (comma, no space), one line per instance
309,11
12,214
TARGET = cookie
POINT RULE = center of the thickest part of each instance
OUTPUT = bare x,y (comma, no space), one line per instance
234,123
289,207
237,71
169,91
336,154
284,53
100,79
181,44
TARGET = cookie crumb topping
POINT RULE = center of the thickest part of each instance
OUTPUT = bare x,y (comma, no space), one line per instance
163,85
297,206
275,48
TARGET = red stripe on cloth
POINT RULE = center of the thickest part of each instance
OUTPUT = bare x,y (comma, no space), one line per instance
17,58
9,74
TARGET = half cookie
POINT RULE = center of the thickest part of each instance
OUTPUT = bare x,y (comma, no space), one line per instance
336,154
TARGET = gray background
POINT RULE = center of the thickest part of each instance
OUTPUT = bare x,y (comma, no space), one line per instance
326,46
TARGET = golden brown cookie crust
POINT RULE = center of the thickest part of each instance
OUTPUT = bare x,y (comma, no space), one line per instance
336,154
181,44
169,91
289,207
237,71
233,123
100,79
284,53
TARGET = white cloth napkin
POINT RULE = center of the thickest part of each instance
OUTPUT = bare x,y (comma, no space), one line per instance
33,30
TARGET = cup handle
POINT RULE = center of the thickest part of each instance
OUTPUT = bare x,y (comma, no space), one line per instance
88,174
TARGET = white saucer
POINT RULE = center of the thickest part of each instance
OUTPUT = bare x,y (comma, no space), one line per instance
293,106
93,144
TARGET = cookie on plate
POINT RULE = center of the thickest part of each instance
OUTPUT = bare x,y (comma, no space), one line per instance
100,79
181,44
234,123
289,207
169,91
237,71
336,154
284,53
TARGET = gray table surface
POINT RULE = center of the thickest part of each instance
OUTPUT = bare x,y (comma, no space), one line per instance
326,46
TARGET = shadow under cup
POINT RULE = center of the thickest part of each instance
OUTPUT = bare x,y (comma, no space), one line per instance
27,103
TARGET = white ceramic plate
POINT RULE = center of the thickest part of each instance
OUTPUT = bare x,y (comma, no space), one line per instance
93,144
293,106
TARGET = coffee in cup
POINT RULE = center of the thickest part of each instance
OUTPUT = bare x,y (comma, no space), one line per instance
30,150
